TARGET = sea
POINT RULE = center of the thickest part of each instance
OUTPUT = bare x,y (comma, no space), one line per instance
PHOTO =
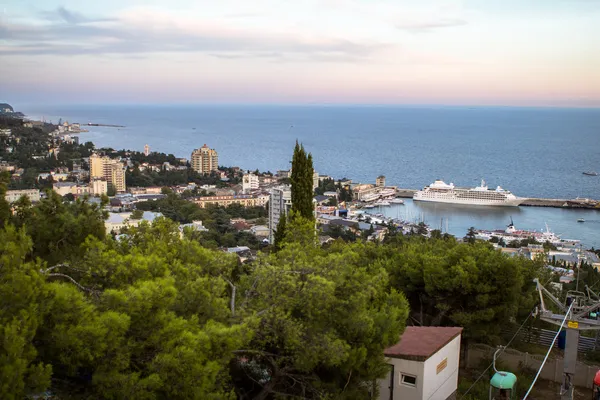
533,152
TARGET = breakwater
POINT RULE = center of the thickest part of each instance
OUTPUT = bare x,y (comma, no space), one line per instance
108,125
587,204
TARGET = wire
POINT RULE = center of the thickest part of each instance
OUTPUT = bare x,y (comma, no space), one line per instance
549,350
501,351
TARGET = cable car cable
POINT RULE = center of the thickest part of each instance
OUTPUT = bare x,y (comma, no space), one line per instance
507,345
549,350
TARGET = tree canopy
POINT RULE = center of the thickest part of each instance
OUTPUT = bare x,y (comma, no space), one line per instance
302,183
154,314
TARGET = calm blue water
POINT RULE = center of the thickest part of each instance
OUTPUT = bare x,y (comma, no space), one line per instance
532,152
457,219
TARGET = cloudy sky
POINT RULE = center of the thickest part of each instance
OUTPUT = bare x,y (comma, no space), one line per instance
480,52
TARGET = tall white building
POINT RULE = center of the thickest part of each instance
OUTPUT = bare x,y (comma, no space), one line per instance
146,150
249,182
280,204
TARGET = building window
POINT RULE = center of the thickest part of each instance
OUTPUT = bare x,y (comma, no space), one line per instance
408,380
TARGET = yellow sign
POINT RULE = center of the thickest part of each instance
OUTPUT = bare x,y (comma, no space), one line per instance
573,324
441,366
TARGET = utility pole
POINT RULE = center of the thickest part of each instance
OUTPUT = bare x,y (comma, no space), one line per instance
582,316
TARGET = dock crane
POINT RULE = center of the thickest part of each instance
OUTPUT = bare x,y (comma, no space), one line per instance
582,315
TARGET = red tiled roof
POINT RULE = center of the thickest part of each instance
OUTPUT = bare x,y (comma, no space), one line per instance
421,342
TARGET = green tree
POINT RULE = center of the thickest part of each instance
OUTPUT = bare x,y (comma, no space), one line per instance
137,214
460,284
325,317
280,233
470,237
4,206
58,229
302,183
111,190
23,305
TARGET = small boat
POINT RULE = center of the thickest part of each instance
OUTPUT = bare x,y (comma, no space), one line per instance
397,201
590,173
581,220
369,206
382,203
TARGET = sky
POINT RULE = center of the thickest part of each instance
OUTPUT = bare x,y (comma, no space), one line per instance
444,52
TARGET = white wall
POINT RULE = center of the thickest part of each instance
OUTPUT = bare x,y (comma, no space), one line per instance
402,391
431,385
440,386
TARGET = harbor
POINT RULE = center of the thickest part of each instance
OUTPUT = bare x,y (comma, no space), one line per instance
457,219
589,204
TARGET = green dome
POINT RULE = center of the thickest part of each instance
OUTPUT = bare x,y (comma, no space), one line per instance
503,380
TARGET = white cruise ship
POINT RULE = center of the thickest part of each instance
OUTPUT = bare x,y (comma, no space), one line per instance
441,192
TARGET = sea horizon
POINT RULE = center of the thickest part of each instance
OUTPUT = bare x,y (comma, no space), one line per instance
549,107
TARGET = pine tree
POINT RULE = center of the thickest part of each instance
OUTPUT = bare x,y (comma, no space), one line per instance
279,234
302,183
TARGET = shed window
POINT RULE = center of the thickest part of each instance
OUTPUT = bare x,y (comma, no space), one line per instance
409,380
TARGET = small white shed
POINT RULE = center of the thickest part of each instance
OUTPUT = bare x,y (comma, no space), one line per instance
423,364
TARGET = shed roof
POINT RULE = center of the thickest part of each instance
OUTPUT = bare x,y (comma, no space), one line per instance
418,343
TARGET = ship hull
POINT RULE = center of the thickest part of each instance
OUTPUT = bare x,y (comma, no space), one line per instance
490,203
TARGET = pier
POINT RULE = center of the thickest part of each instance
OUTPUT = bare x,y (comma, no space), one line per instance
587,204
108,125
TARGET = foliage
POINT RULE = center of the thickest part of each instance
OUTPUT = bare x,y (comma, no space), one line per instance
215,218
137,214
326,185
57,228
280,233
325,318
153,314
4,206
23,304
339,232
302,183
468,285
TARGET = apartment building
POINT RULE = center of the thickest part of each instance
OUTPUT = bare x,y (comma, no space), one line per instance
224,201
14,195
250,182
280,203
111,170
204,160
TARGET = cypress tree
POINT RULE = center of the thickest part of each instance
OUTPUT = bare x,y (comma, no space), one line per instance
279,234
302,183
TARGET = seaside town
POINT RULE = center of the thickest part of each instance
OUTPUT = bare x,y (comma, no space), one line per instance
310,200
240,213
142,185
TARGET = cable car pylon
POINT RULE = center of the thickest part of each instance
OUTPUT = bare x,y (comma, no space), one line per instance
579,309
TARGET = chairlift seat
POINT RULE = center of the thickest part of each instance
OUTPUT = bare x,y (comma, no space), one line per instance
504,380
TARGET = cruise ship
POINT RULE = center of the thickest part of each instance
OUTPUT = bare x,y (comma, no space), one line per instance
441,192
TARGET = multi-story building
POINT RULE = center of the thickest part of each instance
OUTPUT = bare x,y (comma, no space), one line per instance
146,150
280,204
204,160
249,182
98,187
111,170
97,166
380,181
284,174
224,201
14,195
315,180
